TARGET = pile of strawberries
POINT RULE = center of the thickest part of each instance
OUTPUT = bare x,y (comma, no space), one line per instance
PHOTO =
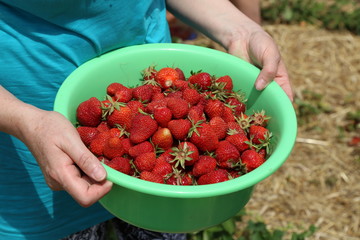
175,130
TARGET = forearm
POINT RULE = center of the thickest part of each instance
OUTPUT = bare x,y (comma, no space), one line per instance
14,114
221,20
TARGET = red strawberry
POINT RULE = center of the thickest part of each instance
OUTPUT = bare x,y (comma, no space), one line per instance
162,115
162,138
89,112
239,140
143,93
204,137
160,103
215,176
237,105
251,159
121,117
135,105
181,84
113,148
149,73
179,128
157,96
228,114
258,134
120,164
181,73
180,178
145,161
142,128
103,127
191,95
186,154
234,127
202,79
141,148
214,108
162,167
220,127
151,177
87,134
167,156
112,88
204,165
166,77
126,143
97,145
226,81
196,114
227,154
124,95
179,107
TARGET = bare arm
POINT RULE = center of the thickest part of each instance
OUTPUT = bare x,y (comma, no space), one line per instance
57,147
221,21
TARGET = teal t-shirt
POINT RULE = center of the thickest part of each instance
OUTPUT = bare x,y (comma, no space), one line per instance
41,43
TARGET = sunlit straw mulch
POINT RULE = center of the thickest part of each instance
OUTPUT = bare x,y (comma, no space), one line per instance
320,182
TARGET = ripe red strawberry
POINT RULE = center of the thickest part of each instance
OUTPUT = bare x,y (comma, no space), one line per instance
166,77
226,81
126,143
258,134
186,154
135,105
113,148
180,178
162,138
120,164
97,145
228,114
214,108
234,127
179,128
124,95
239,140
179,107
167,156
157,96
162,115
141,148
87,134
160,103
181,73
145,162
215,176
121,117
191,95
103,127
149,73
89,112
112,88
181,85
151,177
204,137
142,128
204,165
202,79
220,127
251,159
143,93
162,167
227,154
237,105
196,113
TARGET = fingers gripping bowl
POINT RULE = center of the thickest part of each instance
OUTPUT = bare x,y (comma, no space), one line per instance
169,208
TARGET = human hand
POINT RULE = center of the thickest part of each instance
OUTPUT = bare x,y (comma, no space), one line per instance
64,160
265,55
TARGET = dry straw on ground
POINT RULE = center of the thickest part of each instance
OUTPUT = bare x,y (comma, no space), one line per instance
320,182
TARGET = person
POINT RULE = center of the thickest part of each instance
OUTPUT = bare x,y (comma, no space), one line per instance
49,181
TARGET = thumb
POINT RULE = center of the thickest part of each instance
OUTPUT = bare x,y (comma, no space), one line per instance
85,160
269,69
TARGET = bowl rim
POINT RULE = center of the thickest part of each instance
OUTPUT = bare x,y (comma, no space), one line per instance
199,191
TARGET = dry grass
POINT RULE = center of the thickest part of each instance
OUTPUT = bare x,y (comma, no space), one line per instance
320,182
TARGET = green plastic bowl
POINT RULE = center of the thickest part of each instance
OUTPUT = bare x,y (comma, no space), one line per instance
180,209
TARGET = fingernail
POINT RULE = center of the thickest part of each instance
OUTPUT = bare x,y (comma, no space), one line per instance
99,173
261,84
